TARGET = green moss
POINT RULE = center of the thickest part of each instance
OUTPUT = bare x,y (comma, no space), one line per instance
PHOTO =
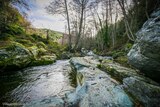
41,45
42,51
39,50
80,78
107,61
99,66
34,51
38,38
127,47
6,37
123,60
40,62
73,77
110,69
43,60
137,103
117,54
113,72
25,42
13,29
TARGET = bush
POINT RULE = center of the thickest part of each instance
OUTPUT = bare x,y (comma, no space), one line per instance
117,54
13,30
25,42
127,47
6,37
41,45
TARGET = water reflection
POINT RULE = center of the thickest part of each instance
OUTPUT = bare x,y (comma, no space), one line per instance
35,83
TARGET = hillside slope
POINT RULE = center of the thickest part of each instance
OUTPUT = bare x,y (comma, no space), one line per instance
19,49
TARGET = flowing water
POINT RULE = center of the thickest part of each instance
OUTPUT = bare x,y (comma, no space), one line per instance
35,83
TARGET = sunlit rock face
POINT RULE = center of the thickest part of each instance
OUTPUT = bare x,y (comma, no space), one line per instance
96,88
110,86
145,53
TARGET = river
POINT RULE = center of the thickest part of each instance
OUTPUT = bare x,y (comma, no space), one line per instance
35,83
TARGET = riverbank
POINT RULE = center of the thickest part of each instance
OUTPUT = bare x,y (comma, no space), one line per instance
19,49
81,81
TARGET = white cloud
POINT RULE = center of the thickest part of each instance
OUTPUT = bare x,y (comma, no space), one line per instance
55,25
41,19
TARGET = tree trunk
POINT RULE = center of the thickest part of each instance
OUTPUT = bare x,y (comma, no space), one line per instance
68,21
121,3
80,26
47,35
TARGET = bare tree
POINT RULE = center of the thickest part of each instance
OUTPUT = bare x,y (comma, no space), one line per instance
61,7
128,29
82,7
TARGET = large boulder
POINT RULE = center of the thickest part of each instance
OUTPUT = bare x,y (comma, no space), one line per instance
118,86
145,53
14,56
144,91
95,88
43,60
41,56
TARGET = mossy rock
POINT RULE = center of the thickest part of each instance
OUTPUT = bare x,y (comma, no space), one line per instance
118,54
43,60
19,50
34,50
123,60
41,45
14,56
73,77
42,51
40,62
65,55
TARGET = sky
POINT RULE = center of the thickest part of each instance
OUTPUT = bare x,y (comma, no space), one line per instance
39,18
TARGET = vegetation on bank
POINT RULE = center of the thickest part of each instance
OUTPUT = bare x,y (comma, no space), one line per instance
116,39
20,44
112,38
37,50
108,27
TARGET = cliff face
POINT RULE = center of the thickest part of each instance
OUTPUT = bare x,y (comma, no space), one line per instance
145,53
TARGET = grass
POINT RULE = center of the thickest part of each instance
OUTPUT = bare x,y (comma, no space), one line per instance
14,36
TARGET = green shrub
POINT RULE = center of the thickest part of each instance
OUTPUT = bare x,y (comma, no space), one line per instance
13,29
39,38
41,45
99,66
6,37
42,51
128,46
25,42
117,54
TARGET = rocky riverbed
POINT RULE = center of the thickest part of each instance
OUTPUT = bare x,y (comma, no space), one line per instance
90,81
112,85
